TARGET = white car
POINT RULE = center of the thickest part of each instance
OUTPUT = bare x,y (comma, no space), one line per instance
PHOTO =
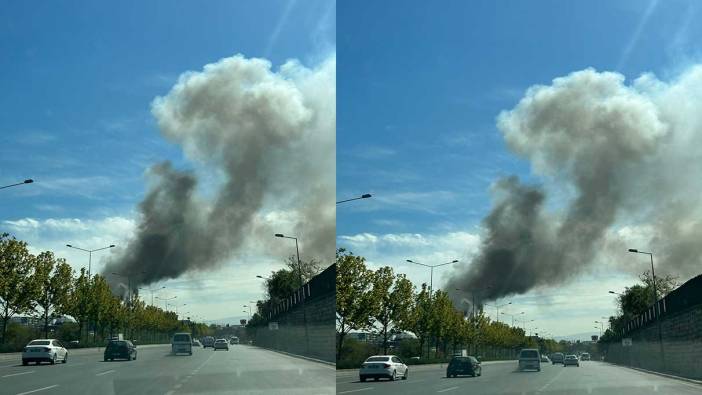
386,366
48,350
221,343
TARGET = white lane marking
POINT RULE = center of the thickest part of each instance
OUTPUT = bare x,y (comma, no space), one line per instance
175,387
358,390
106,372
37,390
550,381
448,389
17,374
7,366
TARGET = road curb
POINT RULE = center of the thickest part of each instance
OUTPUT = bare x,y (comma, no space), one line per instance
297,356
668,375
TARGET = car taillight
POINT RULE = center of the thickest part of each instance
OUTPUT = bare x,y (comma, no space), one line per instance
386,365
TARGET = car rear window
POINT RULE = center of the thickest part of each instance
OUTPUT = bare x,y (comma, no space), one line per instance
181,338
118,343
377,359
39,343
529,354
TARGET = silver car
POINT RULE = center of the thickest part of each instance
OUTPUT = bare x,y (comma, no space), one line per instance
44,350
383,366
221,344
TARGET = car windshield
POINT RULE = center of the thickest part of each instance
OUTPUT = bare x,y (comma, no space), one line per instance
39,343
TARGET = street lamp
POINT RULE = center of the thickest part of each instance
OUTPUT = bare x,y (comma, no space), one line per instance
364,196
497,308
152,292
165,301
249,306
513,315
656,309
90,253
601,326
263,277
431,280
302,301
29,181
615,293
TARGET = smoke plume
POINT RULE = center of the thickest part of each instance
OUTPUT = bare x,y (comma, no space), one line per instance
267,139
623,162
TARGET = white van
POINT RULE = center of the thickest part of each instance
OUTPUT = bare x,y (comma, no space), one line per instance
182,343
530,358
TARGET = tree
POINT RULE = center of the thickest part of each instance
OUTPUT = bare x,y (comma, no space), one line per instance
382,308
53,278
420,317
17,287
353,296
80,300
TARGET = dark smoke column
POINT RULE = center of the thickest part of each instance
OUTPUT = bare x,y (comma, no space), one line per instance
588,134
268,137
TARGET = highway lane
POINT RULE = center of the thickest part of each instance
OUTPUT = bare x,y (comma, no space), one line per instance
502,378
242,370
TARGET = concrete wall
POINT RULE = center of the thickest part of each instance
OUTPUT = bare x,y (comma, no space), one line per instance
682,345
290,335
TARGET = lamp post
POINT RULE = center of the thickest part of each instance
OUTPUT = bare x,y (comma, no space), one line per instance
302,285
152,292
656,309
497,308
263,277
513,315
472,293
615,293
431,278
364,196
90,253
249,306
29,181
601,327
165,301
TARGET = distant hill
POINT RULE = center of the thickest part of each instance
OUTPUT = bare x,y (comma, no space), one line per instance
583,336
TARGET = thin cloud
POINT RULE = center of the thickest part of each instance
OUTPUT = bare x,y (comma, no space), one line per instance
633,41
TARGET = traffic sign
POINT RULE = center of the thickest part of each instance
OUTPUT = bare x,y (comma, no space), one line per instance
626,342
273,326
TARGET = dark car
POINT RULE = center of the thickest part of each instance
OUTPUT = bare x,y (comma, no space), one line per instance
463,366
120,349
557,357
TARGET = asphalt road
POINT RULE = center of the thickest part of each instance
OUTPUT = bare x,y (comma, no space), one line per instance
242,370
502,378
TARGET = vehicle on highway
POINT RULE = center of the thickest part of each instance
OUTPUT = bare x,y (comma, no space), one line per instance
44,350
545,359
182,343
530,358
383,366
196,343
220,344
461,365
120,349
557,357
208,341
585,356
571,360
234,340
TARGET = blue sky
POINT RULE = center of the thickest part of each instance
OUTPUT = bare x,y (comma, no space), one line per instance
420,86
78,79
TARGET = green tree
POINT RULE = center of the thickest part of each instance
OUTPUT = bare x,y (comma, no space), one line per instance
420,318
80,299
353,296
17,287
382,280
53,277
